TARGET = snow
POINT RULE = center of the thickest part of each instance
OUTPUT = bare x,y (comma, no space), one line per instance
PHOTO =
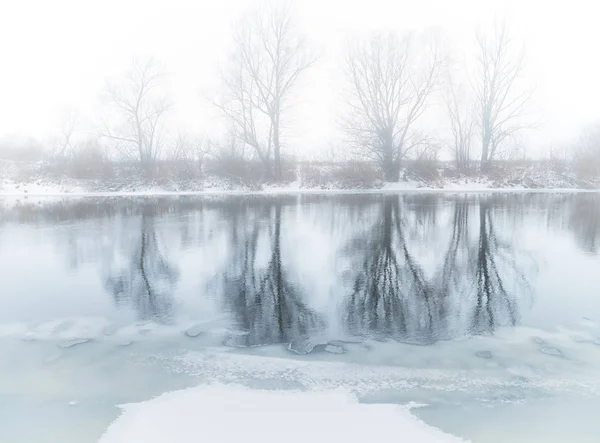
51,191
41,183
225,413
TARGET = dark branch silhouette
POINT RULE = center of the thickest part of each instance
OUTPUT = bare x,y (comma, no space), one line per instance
146,281
495,266
391,296
265,304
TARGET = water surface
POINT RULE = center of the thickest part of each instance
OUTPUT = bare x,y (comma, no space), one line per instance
462,302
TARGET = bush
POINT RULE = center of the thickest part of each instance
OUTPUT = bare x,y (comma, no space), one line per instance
178,169
423,169
236,170
88,161
348,175
586,154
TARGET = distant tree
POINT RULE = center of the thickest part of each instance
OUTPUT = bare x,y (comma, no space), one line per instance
461,118
500,104
586,152
140,105
63,144
188,148
269,58
391,79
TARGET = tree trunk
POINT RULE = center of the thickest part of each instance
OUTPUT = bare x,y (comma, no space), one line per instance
276,149
391,171
276,153
485,165
485,150
266,161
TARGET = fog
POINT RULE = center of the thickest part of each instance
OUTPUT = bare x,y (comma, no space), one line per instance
57,56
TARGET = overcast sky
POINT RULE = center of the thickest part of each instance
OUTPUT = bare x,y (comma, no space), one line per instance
56,55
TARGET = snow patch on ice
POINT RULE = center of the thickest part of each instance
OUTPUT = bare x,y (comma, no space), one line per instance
64,329
225,413
217,365
102,328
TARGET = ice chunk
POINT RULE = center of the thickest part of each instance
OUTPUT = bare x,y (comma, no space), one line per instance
483,354
206,412
63,326
238,341
74,342
551,351
335,349
301,346
538,340
194,331
110,329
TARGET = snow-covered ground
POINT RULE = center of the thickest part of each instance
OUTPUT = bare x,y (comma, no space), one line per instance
37,182
36,190
228,414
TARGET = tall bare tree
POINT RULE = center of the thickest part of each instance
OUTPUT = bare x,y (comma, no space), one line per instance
140,105
391,79
268,59
501,105
461,118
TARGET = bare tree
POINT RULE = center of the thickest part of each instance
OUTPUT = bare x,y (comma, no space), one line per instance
269,58
501,106
188,148
62,145
461,121
140,106
390,83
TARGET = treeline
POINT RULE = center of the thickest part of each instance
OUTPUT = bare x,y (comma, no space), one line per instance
393,82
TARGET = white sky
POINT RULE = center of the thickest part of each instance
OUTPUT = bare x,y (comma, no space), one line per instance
56,55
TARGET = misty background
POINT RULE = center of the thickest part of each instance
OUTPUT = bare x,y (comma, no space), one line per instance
59,57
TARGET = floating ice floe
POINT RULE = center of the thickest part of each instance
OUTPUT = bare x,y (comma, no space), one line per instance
335,349
483,354
538,340
551,351
194,331
74,342
301,346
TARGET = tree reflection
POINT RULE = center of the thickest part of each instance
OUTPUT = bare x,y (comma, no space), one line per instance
146,279
477,287
495,266
391,295
266,305
584,222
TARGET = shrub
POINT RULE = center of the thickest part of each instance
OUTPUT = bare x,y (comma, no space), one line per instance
89,161
348,174
422,169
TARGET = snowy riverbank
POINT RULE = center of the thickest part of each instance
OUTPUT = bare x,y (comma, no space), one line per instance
35,180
